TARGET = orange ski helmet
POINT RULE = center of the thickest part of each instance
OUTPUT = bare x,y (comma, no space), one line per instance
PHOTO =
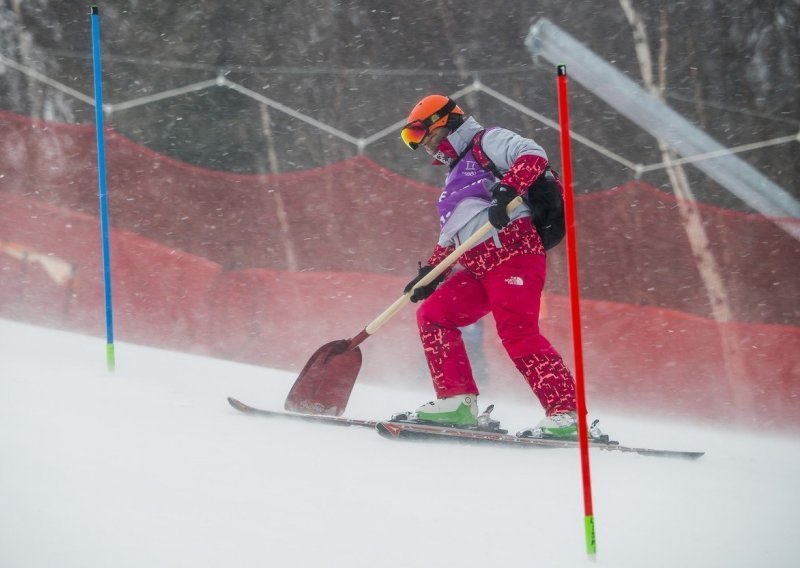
428,114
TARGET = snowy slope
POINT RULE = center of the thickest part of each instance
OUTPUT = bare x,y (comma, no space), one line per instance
150,467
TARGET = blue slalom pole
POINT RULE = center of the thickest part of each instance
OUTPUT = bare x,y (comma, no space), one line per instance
101,179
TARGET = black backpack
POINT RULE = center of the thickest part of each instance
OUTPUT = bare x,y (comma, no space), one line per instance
544,197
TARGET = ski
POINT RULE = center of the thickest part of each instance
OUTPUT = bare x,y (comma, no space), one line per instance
409,430
321,418
399,430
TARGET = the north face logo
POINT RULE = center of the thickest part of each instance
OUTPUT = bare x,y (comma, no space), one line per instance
514,281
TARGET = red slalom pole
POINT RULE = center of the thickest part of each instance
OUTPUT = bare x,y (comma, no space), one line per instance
574,299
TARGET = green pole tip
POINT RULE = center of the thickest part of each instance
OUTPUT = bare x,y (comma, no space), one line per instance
95,10
561,69
111,360
591,541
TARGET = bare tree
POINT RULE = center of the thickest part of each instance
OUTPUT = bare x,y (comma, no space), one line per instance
280,208
654,76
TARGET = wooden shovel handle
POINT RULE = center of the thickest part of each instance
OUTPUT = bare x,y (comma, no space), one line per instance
433,274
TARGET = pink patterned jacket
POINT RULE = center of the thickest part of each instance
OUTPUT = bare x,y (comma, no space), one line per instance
465,200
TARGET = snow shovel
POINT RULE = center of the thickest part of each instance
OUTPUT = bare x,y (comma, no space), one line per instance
325,383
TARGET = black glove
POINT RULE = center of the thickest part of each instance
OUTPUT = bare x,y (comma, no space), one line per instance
424,291
502,195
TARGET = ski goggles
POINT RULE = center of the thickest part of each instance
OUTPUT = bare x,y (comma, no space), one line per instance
414,132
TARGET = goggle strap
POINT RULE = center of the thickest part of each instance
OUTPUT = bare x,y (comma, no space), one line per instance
425,124
450,105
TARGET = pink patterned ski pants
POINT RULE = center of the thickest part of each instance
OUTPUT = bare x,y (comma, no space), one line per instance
512,293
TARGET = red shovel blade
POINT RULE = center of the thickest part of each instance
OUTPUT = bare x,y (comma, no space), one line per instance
325,383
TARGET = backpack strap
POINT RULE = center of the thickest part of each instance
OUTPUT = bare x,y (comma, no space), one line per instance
480,156
486,163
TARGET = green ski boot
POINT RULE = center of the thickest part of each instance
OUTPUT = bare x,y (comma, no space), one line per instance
460,410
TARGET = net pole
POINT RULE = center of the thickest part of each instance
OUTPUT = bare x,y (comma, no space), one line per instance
574,297
103,194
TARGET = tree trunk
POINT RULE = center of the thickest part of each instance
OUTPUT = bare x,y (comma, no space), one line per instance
280,209
707,266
